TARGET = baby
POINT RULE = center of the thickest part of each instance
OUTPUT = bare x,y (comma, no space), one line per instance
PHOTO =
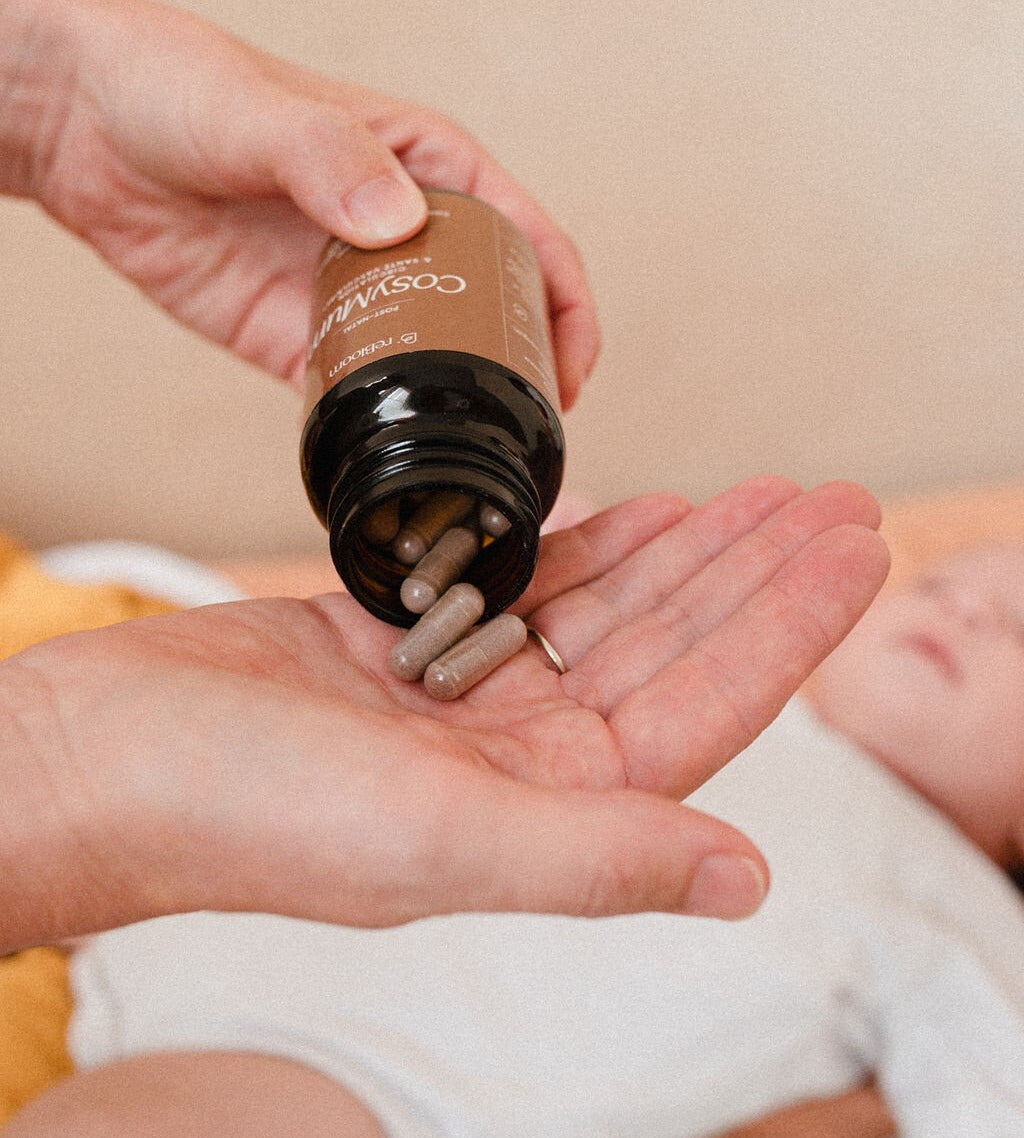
931,684
891,942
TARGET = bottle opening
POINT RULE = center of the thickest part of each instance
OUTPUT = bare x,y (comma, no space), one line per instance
380,538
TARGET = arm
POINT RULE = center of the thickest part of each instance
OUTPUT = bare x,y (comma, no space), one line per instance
200,1094
260,756
208,172
859,1113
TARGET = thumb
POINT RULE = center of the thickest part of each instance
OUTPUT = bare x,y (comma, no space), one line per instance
344,178
592,854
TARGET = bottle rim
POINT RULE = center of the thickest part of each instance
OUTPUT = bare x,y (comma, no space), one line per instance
501,571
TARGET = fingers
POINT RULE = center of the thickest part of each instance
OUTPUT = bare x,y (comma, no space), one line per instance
597,854
576,334
655,626
691,643
571,557
692,715
439,152
392,147
344,178
575,330
347,177
626,583
231,121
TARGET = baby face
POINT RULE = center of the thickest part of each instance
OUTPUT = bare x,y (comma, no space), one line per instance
931,682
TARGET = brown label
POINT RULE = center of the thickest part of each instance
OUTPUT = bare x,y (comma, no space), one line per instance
467,282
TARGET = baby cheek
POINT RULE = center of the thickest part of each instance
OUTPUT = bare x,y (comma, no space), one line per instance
1015,738
993,723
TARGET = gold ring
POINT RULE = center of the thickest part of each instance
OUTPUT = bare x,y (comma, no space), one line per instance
552,653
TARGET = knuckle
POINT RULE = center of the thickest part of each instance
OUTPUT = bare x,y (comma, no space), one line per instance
320,125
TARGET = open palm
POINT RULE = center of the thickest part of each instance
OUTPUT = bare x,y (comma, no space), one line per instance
259,754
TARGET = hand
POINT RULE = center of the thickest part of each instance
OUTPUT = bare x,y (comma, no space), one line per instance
207,172
259,755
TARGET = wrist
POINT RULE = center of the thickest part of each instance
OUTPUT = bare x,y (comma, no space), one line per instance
65,838
32,835
36,83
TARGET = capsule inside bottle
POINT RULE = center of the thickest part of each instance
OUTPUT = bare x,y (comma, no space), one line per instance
406,550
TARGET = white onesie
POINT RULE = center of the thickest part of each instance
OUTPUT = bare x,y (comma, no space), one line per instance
888,943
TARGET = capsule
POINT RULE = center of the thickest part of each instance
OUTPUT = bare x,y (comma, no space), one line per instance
470,660
492,520
439,568
438,513
438,629
381,526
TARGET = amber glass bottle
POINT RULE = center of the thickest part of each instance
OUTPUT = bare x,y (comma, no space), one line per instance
430,368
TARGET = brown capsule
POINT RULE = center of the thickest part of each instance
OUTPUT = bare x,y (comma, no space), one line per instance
469,661
439,568
381,526
439,628
493,521
439,512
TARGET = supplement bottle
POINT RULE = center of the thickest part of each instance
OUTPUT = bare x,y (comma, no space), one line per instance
430,375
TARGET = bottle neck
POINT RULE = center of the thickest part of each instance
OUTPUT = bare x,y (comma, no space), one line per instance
474,401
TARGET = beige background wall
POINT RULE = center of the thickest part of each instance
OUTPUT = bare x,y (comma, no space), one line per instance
802,220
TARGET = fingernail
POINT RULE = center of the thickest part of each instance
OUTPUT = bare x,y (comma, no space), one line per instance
726,886
384,209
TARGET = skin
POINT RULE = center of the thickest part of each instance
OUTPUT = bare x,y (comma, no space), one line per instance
132,789
214,188
931,682
859,1113
236,1095
352,797
887,677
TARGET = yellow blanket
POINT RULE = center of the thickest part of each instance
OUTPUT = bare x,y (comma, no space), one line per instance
35,1001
